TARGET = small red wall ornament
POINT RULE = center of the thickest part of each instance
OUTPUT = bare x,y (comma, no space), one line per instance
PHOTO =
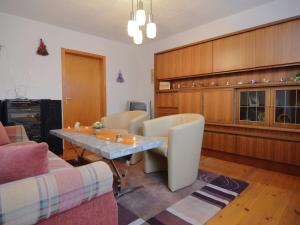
42,49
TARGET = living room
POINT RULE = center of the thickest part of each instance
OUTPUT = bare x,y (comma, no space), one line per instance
191,118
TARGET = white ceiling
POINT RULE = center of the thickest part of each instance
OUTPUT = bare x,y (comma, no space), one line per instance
108,18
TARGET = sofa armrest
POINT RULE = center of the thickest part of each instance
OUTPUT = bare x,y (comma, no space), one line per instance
16,133
29,200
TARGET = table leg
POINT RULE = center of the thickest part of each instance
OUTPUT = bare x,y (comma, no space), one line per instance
121,182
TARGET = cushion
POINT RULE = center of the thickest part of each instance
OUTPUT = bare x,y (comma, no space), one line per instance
22,161
4,139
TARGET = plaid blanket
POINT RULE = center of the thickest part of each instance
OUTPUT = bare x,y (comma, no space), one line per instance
29,200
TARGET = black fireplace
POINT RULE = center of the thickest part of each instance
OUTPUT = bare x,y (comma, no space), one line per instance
37,116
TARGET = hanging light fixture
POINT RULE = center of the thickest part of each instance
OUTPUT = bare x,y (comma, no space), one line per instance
132,26
151,26
138,37
140,14
137,20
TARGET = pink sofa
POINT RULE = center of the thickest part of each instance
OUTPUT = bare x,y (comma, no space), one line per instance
63,196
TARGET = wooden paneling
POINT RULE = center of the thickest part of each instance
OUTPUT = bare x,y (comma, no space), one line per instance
218,105
274,150
234,52
161,65
278,44
190,102
166,104
219,142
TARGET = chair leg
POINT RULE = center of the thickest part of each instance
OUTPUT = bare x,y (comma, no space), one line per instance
154,162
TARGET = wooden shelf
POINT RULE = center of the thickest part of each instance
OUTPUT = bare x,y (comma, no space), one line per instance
237,86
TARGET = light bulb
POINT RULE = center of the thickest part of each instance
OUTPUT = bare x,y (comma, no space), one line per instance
138,37
132,27
140,17
151,30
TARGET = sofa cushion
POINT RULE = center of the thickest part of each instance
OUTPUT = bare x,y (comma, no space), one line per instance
4,139
22,161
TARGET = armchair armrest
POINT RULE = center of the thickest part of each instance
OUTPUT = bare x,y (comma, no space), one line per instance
29,200
16,133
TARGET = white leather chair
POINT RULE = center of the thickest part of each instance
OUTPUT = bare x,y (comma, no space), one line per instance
129,121
180,153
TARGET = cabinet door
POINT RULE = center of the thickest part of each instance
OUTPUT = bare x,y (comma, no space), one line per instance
218,105
253,106
161,65
166,104
285,110
219,142
278,44
234,52
189,102
269,149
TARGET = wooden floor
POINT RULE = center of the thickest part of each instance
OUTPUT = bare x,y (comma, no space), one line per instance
271,197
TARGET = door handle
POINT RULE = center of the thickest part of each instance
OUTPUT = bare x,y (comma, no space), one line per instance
67,99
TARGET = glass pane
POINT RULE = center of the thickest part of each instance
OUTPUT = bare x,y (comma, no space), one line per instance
279,115
243,113
290,115
252,99
298,115
290,99
252,114
280,96
298,97
243,101
261,113
261,98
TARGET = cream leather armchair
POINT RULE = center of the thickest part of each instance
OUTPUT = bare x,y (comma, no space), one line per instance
129,121
180,153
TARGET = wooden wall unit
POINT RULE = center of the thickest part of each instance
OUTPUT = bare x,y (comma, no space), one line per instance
254,123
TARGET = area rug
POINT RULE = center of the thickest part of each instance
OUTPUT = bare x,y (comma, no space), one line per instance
155,204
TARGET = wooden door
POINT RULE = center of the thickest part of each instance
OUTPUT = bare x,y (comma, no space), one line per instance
83,80
189,102
234,53
219,142
278,44
218,105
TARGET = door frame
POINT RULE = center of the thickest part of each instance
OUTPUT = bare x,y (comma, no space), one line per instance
102,75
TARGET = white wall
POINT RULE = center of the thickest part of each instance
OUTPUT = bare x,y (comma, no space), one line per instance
273,11
20,66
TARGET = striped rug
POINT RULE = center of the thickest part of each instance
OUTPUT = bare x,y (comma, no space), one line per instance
196,207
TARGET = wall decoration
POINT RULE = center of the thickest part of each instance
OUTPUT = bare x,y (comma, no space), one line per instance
42,49
120,78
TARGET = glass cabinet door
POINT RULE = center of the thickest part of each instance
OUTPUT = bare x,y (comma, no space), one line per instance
286,107
252,106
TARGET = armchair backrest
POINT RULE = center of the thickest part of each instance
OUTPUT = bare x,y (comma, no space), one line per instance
129,120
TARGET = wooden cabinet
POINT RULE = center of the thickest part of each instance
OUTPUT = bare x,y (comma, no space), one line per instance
190,102
277,44
219,142
218,105
269,149
234,52
285,110
166,104
253,106
192,60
